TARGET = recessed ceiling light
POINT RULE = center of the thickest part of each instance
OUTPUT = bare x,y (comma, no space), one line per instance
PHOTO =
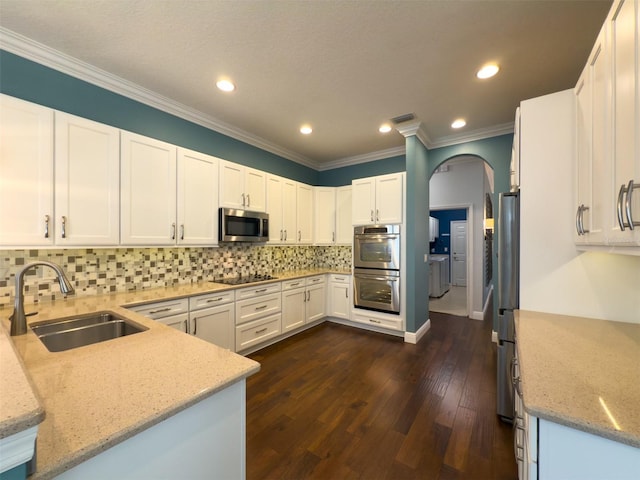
384,128
306,129
488,71
225,85
459,123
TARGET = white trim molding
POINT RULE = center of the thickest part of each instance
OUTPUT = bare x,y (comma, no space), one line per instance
18,448
410,337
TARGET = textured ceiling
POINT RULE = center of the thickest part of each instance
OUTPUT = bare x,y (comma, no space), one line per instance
342,66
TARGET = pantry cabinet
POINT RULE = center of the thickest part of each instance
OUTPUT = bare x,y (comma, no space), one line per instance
344,224
26,173
242,187
87,182
377,200
304,213
608,136
332,216
148,191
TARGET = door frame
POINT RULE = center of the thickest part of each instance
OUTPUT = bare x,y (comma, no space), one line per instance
466,259
470,253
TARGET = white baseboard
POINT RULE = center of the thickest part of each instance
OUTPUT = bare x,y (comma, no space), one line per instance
476,316
414,338
483,314
494,336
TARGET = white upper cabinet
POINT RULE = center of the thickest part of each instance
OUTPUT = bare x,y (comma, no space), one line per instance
26,173
87,182
378,200
281,207
325,215
148,191
625,83
608,135
304,213
332,220
242,187
197,198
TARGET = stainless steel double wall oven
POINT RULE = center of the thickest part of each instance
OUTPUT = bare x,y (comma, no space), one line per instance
376,261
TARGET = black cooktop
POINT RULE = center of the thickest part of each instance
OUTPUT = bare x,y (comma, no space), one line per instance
242,280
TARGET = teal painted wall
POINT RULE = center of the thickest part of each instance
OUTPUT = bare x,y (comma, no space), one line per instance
417,234
36,83
338,177
16,473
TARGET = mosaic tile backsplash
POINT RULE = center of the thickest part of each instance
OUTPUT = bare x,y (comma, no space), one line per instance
98,271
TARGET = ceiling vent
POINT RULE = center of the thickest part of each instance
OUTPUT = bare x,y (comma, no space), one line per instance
407,117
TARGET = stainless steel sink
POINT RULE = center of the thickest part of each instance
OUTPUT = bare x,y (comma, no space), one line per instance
67,333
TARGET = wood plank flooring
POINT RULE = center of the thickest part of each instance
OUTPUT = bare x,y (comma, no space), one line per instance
336,402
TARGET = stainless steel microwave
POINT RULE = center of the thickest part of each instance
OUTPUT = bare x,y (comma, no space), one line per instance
242,226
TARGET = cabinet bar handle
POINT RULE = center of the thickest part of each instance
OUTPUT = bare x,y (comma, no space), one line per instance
186,327
346,293
377,215
333,236
262,330
630,188
374,321
173,231
243,200
161,310
582,210
63,234
262,290
299,234
46,226
285,235
308,295
248,200
295,284
215,299
195,325
372,215
619,207
261,307
182,231
578,219
281,235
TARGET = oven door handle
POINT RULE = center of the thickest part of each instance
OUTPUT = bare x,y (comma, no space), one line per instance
367,236
372,277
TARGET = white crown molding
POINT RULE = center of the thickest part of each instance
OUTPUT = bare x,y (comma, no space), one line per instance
49,57
364,158
471,136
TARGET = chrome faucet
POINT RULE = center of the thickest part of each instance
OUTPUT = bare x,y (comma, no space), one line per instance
18,318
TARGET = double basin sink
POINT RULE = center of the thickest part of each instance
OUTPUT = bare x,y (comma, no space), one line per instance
73,332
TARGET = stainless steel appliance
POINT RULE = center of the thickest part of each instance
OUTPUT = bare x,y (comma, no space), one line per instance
377,246
377,289
242,226
508,297
376,261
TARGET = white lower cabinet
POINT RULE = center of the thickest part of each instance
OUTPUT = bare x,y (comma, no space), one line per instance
339,298
258,315
214,324
375,319
303,301
173,313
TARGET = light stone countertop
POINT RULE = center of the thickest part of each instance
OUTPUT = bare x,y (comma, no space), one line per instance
574,369
94,397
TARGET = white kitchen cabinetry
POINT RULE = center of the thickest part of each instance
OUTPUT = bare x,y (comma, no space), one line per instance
87,182
173,313
339,304
258,315
148,191
377,319
608,136
26,173
344,224
304,213
242,187
378,200
281,206
212,318
332,219
197,198
303,301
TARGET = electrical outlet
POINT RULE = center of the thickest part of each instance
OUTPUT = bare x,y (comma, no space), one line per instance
426,258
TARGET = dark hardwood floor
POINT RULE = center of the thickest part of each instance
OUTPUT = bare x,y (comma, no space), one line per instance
336,402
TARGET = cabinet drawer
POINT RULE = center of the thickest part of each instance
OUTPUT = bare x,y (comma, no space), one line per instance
163,309
374,320
211,300
258,331
254,308
318,279
340,278
257,290
291,284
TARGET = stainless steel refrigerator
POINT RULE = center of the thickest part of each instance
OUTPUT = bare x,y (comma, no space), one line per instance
508,296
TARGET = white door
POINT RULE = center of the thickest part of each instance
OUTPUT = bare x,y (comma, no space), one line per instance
363,199
459,253
231,188
215,325
389,193
316,301
255,190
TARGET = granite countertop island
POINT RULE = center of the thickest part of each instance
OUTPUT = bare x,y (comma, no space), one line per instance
78,396
580,372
